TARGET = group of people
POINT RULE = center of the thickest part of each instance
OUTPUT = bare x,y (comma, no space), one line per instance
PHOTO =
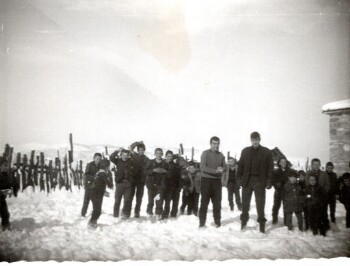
305,194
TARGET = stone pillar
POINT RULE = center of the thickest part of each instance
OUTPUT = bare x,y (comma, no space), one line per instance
339,129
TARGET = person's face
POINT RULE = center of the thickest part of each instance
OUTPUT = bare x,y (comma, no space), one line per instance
283,163
124,156
214,145
4,167
312,180
329,169
159,155
97,160
255,142
141,151
302,178
169,157
292,179
316,166
347,182
231,162
192,169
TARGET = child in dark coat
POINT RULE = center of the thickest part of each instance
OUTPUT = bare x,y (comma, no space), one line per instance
344,195
301,182
293,202
102,180
315,197
191,190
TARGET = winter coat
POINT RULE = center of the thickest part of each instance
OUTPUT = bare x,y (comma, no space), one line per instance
230,177
154,180
265,162
172,179
280,177
102,180
126,170
191,183
344,194
293,197
321,177
7,182
141,162
90,174
333,183
315,196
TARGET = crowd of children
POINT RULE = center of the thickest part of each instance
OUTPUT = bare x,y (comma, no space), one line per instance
305,194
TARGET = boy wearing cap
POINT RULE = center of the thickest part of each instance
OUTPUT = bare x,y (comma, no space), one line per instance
102,180
6,186
293,202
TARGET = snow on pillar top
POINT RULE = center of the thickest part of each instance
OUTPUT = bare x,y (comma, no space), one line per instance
336,106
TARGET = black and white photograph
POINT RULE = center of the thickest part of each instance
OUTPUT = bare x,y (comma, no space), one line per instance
175,131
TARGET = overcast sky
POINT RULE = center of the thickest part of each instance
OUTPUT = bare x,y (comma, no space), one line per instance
173,71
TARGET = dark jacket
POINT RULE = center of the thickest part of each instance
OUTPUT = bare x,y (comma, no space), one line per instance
315,196
102,180
293,197
90,174
344,194
154,180
191,183
230,177
126,170
6,182
333,184
280,177
265,162
321,177
141,162
172,180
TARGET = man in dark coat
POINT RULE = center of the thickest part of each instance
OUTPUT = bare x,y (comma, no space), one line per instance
280,178
141,161
255,171
212,167
124,180
90,174
333,190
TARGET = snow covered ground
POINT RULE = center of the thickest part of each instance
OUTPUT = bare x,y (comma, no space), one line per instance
50,228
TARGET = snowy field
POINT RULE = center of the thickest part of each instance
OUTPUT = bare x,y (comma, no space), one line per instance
51,228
